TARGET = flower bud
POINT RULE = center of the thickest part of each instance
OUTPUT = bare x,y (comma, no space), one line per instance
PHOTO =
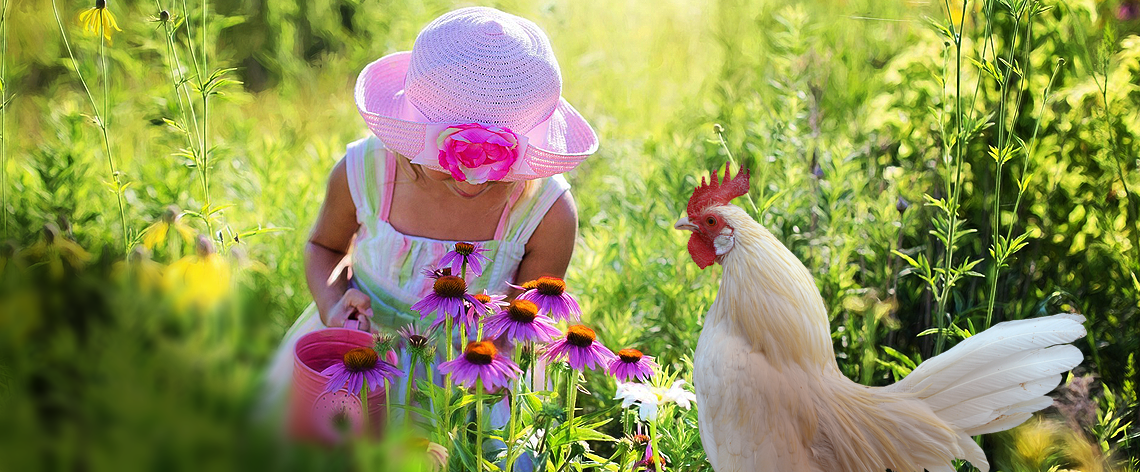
171,214
204,246
51,232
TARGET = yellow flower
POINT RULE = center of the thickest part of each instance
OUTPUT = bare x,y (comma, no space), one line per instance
99,20
156,233
201,280
55,249
140,269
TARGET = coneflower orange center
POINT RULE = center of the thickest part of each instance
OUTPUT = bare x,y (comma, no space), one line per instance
464,249
360,359
550,285
580,336
522,311
450,286
483,298
529,285
630,356
480,352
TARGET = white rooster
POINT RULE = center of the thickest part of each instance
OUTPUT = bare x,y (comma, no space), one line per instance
771,397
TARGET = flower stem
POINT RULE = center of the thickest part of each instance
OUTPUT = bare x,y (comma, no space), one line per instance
723,144
364,408
479,424
513,420
387,403
653,442
446,407
408,393
571,399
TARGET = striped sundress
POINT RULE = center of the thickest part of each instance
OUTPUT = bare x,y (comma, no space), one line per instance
388,265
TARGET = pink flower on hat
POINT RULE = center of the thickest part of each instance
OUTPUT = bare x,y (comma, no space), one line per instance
474,153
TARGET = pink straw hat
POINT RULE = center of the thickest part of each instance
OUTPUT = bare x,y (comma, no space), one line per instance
478,96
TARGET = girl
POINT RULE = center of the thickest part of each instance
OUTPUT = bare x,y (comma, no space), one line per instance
470,136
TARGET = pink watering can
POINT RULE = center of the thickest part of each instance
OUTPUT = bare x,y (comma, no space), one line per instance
328,417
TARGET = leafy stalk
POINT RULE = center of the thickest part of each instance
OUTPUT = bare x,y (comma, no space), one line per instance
1002,154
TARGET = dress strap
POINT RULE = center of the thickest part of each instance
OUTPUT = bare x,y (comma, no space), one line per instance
501,229
363,179
389,179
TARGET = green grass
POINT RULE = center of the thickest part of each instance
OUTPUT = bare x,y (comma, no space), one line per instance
839,109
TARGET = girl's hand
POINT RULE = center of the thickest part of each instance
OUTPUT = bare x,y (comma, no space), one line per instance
354,302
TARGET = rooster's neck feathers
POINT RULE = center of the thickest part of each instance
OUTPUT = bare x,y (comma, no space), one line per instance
770,298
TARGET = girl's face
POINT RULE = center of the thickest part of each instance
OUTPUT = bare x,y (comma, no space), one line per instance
463,189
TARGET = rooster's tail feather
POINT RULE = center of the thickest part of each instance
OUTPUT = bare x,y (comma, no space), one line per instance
996,379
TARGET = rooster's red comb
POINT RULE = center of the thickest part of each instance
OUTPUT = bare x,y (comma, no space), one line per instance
718,193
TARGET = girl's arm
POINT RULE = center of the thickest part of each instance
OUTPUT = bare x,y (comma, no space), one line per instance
328,244
550,247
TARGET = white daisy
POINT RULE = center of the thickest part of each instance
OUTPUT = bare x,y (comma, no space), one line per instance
649,398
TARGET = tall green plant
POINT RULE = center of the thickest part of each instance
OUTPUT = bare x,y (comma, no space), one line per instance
4,115
194,93
101,118
1009,144
942,276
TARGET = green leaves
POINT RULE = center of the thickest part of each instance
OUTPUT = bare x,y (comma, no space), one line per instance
216,81
1003,155
1004,248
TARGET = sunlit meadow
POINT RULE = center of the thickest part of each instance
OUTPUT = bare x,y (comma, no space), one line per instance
939,166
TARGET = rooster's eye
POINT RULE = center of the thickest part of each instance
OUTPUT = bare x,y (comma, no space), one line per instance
710,221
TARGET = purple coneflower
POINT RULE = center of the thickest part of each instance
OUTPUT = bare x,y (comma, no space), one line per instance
446,297
481,361
581,348
1128,10
549,293
358,366
631,364
491,304
473,312
469,253
651,462
521,322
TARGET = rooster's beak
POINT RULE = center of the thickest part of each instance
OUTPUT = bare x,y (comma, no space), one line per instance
683,223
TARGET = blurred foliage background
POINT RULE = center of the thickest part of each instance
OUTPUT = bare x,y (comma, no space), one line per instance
144,350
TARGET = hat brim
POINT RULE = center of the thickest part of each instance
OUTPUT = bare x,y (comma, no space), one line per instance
556,145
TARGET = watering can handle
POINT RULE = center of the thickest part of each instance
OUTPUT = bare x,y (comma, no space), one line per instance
353,321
